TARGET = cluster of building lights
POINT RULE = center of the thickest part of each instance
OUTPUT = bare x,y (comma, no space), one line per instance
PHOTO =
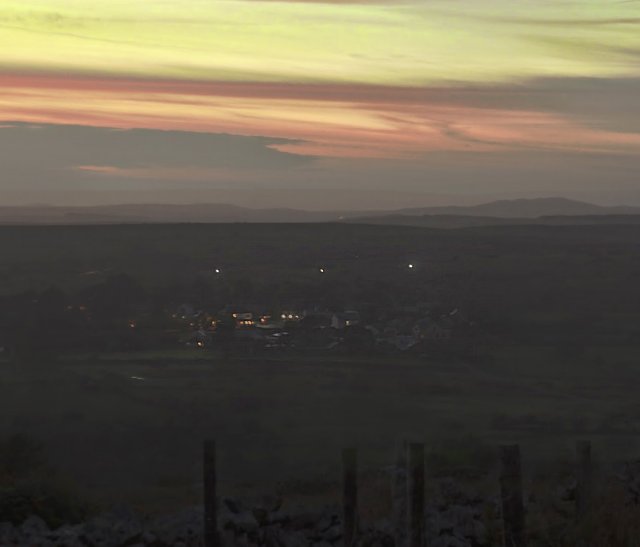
291,316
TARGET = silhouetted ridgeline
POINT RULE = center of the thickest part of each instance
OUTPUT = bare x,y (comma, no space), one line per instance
487,213
445,221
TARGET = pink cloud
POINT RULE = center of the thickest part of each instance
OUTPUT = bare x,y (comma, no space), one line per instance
327,120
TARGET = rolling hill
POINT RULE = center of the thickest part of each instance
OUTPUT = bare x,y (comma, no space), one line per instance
543,210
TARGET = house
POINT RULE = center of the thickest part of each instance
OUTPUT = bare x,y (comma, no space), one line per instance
265,320
185,311
345,319
198,339
428,329
269,323
244,319
291,315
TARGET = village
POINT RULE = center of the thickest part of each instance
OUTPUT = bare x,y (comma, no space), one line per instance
119,315
413,329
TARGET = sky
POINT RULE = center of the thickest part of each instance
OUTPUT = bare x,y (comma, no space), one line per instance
319,104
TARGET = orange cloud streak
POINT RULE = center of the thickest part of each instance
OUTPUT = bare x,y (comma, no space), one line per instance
328,120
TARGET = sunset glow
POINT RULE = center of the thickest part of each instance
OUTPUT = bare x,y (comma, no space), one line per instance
363,79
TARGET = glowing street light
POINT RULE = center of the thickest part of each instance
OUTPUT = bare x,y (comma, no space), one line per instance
217,270
411,266
321,270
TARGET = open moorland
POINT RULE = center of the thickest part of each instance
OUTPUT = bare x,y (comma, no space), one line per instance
551,326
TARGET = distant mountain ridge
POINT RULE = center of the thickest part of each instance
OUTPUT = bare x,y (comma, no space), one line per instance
156,213
525,208
452,216
462,221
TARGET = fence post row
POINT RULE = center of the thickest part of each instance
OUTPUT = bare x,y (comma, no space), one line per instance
399,488
409,493
511,494
584,477
350,495
211,534
416,495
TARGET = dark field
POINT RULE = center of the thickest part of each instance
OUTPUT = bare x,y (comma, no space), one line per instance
572,256
556,313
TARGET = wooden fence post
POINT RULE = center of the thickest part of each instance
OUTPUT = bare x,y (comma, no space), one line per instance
399,489
584,477
511,494
350,495
211,534
416,495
